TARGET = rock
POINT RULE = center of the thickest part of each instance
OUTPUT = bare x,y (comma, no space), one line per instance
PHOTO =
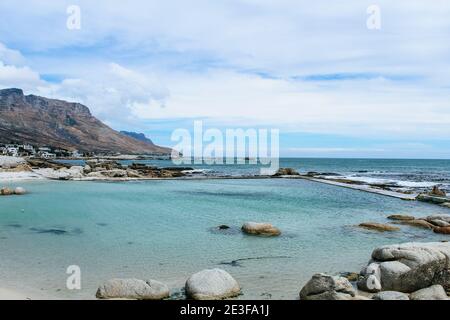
6,191
412,266
400,217
260,228
440,220
223,227
63,173
286,172
115,173
378,226
19,191
133,174
446,204
350,276
437,192
442,230
435,292
370,281
7,162
22,167
212,284
87,169
390,295
326,287
416,223
132,289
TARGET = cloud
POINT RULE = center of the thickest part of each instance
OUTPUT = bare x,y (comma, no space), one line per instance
111,91
294,65
19,77
9,56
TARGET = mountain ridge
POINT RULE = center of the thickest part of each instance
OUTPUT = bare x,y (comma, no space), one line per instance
51,122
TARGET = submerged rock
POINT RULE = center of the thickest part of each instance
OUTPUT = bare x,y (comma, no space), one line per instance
326,287
212,284
435,292
420,223
412,266
132,289
260,228
442,230
400,217
440,220
390,295
378,226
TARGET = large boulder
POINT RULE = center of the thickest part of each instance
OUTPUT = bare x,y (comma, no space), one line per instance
390,295
412,266
19,191
260,228
6,191
435,292
212,284
326,287
7,162
132,289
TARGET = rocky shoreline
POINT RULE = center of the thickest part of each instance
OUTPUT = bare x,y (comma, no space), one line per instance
408,271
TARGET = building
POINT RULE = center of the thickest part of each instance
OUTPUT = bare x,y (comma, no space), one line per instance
47,155
12,151
76,154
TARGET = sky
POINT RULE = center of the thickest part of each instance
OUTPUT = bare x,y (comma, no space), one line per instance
318,71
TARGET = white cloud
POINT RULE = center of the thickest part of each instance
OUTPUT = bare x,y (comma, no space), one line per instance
19,77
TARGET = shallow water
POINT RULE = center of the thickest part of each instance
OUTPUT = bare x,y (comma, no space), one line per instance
163,230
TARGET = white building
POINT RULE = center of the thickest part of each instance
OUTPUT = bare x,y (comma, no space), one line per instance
12,151
47,155
76,154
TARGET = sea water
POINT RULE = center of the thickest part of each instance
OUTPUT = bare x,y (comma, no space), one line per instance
165,230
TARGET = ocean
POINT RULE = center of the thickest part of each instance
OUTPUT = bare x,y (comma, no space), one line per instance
165,229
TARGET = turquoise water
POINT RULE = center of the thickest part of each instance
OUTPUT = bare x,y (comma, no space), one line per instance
162,230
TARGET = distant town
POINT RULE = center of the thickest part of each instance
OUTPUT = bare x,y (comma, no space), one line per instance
49,152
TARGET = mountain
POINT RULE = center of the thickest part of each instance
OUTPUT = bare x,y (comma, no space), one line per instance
137,136
48,122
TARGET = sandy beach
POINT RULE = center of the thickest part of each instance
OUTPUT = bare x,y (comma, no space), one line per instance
7,294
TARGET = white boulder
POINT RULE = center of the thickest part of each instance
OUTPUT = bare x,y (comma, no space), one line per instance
435,292
212,284
412,266
326,287
132,289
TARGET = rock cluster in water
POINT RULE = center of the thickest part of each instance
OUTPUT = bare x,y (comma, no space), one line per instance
5,191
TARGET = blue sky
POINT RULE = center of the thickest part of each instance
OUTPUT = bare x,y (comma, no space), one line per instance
333,87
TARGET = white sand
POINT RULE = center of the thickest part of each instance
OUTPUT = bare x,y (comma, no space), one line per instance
7,294
18,176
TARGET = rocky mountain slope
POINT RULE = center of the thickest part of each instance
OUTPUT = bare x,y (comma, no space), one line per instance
137,136
48,122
